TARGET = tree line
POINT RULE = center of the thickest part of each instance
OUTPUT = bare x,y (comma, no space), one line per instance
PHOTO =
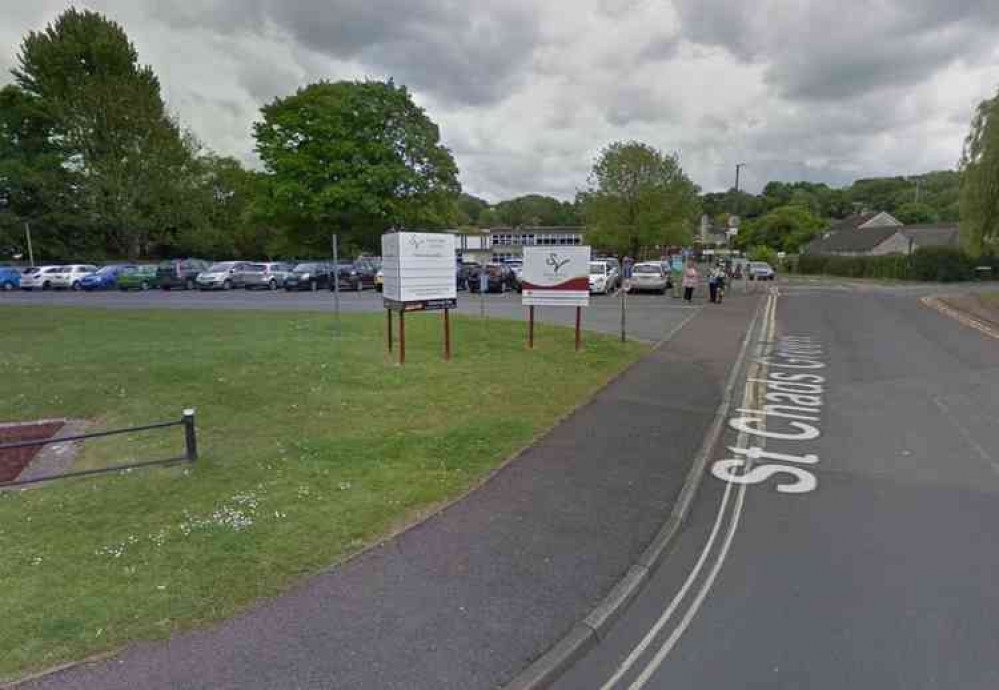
92,160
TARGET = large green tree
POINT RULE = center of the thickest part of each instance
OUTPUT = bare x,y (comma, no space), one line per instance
536,210
638,199
786,229
980,183
111,127
356,158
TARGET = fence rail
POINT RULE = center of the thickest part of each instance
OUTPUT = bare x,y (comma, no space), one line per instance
190,450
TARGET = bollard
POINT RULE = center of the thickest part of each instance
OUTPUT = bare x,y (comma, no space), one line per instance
190,435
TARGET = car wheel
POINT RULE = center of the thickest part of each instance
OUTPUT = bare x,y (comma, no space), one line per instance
144,286
7,287
272,285
189,284
76,287
227,285
46,286
314,285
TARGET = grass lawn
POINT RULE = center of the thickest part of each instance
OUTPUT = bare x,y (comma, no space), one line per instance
312,448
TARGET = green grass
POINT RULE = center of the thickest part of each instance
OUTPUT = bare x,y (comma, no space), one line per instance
313,448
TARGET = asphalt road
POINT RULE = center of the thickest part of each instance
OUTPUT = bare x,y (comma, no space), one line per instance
648,317
880,576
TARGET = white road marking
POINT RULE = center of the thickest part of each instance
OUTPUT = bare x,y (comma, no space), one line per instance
649,638
961,429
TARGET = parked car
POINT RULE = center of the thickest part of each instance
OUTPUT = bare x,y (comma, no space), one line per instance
10,278
761,270
70,277
137,278
648,277
499,278
180,273
605,276
365,273
266,276
668,270
224,275
311,276
104,279
38,278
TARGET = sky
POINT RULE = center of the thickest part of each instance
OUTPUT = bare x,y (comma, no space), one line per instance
527,92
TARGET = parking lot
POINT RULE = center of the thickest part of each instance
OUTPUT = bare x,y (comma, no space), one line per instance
649,317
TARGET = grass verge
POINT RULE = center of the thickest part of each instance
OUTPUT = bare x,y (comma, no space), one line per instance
312,447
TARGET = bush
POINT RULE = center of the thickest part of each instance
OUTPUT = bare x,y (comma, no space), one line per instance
939,264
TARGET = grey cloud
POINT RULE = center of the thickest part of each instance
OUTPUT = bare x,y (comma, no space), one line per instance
839,50
465,53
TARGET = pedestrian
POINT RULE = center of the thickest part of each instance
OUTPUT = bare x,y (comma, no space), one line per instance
716,283
691,278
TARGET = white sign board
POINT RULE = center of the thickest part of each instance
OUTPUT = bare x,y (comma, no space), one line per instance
556,276
418,266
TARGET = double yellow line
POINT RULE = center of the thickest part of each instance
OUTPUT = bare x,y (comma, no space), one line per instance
961,317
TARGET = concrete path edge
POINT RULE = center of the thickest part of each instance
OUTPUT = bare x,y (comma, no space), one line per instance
546,669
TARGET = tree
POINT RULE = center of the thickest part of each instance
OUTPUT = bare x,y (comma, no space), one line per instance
356,158
639,198
914,213
110,125
980,183
536,210
470,210
786,229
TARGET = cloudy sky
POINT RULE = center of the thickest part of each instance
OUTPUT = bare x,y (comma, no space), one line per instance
527,91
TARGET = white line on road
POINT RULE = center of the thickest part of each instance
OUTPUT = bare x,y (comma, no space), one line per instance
766,335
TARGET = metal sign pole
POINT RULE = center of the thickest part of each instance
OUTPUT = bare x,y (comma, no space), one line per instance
336,283
447,335
579,318
388,314
31,252
530,327
402,336
624,336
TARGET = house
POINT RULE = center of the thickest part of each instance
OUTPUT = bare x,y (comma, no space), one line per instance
878,234
509,243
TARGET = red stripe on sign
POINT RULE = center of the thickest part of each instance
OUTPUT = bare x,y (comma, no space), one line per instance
575,284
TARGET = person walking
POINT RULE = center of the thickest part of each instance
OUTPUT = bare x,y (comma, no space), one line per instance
691,278
713,285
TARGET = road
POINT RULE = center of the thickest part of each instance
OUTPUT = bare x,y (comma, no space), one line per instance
649,317
874,564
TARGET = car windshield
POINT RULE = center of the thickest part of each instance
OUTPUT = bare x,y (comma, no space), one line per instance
222,267
644,268
255,268
598,269
306,268
108,270
54,269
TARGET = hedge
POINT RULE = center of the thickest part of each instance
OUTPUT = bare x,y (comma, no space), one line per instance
937,264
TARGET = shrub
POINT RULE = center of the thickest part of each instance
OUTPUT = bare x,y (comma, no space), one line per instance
941,264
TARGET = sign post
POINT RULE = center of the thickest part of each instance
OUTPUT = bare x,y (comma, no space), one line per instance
418,269
336,282
556,278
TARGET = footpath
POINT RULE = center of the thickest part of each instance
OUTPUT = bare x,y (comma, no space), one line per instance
470,597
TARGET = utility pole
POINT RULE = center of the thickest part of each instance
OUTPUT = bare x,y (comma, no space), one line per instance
919,183
31,252
738,168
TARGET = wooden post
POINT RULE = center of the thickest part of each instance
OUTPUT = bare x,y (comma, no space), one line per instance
402,336
447,335
579,318
388,314
530,327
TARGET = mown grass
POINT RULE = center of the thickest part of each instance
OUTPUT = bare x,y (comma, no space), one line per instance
312,447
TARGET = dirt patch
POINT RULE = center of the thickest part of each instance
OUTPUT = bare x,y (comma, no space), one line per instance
983,307
14,460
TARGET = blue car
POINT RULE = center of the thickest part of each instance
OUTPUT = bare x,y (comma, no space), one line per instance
105,279
10,278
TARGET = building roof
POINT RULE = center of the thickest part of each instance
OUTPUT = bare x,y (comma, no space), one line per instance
853,240
935,235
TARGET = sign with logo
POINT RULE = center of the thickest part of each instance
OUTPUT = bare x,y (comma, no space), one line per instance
418,267
556,276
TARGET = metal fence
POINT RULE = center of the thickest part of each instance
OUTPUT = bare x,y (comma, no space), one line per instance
190,450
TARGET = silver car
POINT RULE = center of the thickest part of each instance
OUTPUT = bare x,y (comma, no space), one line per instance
648,277
225,275
71,276
38,278
269,276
